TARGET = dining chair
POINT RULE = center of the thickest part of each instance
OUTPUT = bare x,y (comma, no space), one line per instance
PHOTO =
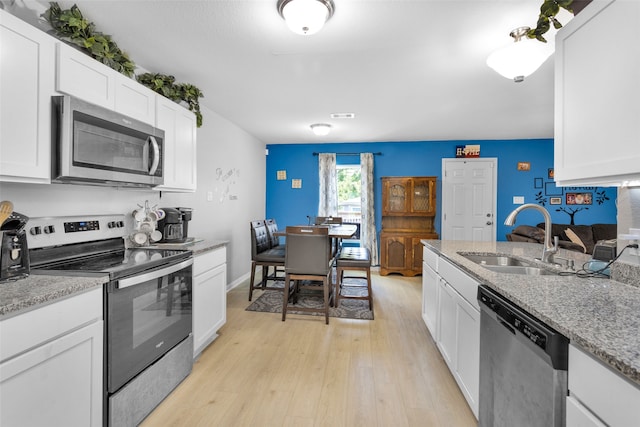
264,254
353,259
308,264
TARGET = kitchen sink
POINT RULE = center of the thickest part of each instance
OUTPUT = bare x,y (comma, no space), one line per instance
519,269
495,260
507,264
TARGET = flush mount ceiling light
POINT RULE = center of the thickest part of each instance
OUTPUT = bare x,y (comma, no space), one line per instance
321,129
521,58
305,17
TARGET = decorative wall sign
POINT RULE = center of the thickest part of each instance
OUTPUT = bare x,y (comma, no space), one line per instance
467,151
550,189
579,198
537,182
524,166
296,183
555,200
281,175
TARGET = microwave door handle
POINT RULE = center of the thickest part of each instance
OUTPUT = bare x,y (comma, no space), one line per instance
156,154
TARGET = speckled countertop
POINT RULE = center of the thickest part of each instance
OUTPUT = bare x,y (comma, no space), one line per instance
36,290
600,315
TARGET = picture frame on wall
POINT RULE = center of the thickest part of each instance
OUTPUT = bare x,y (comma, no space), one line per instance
537,182
579,199
555,200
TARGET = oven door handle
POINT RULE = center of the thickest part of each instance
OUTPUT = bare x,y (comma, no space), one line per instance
135,280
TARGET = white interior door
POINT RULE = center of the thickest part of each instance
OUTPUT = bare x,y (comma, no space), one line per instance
469,191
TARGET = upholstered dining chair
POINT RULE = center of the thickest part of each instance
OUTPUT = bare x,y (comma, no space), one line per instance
308,265
265,254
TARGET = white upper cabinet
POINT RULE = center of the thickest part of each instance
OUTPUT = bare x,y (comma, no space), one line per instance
27,79
597,63
179,125
135,100
81,76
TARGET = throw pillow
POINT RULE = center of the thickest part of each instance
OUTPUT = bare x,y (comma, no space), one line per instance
575,239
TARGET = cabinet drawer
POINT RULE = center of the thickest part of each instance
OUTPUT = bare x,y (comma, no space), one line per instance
613,398
431,258
33,328
466,286
209,260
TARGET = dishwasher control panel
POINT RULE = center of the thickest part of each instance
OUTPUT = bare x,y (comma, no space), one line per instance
514,320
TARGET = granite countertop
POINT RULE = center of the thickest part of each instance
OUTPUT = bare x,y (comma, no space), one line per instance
602,316
197,246
22,295
36,290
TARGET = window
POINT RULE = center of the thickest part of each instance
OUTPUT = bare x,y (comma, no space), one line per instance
349,207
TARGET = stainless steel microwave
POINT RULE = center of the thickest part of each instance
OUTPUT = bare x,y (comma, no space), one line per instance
94,145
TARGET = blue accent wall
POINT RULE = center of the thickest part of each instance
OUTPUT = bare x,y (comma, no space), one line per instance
291,206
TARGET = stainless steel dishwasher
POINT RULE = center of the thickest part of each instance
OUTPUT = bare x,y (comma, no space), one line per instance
523,366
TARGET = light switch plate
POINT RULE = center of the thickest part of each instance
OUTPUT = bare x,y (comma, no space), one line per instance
518,200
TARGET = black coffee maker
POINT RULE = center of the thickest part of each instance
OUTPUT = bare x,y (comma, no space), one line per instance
175,225
14,253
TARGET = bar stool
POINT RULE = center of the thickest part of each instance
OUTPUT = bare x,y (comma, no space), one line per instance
353,259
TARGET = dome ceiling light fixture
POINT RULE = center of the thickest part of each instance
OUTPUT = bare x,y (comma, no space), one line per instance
321,129
521,58
306,17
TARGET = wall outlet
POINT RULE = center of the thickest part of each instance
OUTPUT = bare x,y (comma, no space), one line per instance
518,200
209,196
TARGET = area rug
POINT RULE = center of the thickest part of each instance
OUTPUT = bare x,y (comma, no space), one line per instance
271,302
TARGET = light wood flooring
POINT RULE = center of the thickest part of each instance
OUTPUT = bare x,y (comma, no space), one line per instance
261,371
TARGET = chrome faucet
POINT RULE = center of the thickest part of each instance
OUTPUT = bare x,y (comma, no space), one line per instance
549,247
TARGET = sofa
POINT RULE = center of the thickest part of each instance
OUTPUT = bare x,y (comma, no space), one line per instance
581,238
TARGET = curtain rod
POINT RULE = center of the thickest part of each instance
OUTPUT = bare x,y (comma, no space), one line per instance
351,154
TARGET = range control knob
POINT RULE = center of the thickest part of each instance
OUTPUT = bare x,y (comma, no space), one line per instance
49,229
111,224
120,224
35,231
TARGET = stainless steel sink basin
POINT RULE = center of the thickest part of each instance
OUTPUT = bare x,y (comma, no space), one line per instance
507,264
520,269
499,260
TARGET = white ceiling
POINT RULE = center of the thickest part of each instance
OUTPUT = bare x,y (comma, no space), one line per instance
411,70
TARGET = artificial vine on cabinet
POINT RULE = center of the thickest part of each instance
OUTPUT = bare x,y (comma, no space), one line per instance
72,27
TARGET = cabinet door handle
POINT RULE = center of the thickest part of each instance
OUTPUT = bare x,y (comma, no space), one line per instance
489,222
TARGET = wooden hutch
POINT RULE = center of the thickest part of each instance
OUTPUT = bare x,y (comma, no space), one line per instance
408,211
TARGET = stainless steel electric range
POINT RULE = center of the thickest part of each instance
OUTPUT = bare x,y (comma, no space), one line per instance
147,306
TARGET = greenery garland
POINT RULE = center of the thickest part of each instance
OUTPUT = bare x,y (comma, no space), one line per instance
71,26
548,12
166,86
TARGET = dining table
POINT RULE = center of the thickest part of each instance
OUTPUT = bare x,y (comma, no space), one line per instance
337,232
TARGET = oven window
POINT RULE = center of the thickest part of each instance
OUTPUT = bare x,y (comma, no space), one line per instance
144,321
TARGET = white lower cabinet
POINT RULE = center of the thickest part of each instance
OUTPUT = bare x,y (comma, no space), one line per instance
454,321
209,297
430,294
51,373
598,395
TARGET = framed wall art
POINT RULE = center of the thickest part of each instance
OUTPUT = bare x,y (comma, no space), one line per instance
579,198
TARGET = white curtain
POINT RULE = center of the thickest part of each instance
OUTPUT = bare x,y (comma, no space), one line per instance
328,204
368,238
